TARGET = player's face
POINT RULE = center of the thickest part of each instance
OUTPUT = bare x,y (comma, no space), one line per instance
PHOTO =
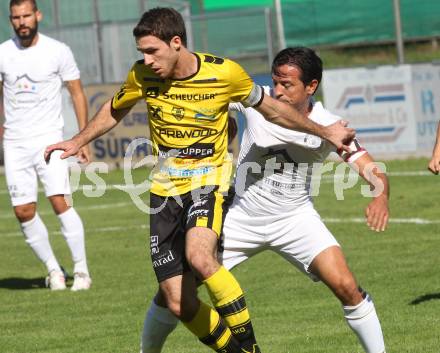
289,88
25,20
160,56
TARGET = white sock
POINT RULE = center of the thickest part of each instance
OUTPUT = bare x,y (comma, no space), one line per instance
363,320
158,324
37,237
73,231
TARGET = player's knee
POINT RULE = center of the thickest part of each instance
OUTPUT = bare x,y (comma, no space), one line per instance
184,311
175,306
347,291
25,213
204,265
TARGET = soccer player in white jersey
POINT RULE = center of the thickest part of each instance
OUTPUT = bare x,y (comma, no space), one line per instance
32,70
273,187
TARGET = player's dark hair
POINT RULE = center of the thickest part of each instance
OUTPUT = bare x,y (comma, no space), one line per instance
19,2
163,23
303,58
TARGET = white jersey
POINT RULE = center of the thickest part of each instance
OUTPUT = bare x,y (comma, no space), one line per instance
32,81
275,164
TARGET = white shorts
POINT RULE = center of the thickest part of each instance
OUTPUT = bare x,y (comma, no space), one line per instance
24,162
298,237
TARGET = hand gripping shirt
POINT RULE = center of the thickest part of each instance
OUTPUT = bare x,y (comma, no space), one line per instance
188,120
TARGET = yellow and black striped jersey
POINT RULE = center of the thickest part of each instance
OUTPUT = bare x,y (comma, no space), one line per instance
188,120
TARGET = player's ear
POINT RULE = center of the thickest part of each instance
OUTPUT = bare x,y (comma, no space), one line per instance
39,15
312,87
176,43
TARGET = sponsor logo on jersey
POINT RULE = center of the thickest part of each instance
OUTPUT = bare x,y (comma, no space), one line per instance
164,259
196,97
197,150
186,173
205,114
152,92
178,113
155,111
185,134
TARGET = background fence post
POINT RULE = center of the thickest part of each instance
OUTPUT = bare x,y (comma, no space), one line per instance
98,31
280,25
269,34
399,38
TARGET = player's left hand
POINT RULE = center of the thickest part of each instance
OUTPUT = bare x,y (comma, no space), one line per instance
377,213
83,155
69,148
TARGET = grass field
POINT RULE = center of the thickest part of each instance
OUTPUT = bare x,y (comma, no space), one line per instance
290,313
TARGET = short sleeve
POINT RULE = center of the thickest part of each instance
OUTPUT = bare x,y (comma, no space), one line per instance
68,69
242,88
130,92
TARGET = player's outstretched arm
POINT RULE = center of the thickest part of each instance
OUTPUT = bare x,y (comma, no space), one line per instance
81,111
434,163
104,120
282,114
377,211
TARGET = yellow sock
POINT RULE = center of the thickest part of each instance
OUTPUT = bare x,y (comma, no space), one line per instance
228,299
209,328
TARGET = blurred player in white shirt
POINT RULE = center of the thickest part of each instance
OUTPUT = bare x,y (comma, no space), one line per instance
33,68
273,209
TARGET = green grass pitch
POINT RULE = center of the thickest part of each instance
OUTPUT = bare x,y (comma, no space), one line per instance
291,314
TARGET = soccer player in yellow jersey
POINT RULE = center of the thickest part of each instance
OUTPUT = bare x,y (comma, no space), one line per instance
187,96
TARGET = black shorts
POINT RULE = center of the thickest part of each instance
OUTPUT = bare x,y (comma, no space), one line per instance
203,207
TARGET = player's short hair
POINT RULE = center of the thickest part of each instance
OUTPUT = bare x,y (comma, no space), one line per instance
303,58
163,23
19,2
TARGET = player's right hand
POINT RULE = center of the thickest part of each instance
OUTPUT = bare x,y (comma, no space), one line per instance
70,148
340,135
434,164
